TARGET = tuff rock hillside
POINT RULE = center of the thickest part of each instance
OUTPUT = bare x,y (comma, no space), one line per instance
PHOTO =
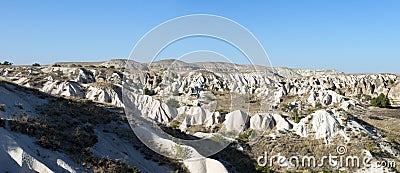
259,109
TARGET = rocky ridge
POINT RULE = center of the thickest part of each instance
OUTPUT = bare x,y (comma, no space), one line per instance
315,104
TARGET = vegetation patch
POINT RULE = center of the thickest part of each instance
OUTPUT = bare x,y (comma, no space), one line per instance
381,101
173,103
36,64
149,92
6,63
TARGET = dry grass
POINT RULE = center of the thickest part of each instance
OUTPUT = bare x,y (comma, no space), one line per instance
196,128
228,102
386,120
295,146
223,101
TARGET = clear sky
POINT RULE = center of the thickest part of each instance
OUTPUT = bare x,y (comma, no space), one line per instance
354,36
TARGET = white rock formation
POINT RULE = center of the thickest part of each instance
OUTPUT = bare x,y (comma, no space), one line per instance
146,106
394,94
196,116
347,105
324,124
236,121
84,76
262,122
321,123
301,128
106,95
281,123
67,88
205,165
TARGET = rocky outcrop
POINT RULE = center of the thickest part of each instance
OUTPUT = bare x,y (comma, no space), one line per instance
349,104
323,87
111,95
146,106
262,122
322,124
236,121
197,116
282,124
68,88
394,95
84,76
124,63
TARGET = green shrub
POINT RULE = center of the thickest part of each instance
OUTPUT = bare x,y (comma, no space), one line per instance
295,115
367,97
175,124
223,112
381,101
340,92
245,136
36,64
263,169
285,108
370,147
149,92
173,103
6,63
180,151
56,65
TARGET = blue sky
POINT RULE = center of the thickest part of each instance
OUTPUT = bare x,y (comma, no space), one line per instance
358,36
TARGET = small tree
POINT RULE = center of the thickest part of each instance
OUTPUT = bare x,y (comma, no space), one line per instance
295,115
36,64
6,63
381,101
149,92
